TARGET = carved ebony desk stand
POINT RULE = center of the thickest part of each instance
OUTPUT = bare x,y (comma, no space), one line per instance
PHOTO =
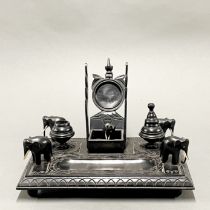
107,158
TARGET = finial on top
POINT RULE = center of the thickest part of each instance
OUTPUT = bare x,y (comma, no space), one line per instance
109,68
151,106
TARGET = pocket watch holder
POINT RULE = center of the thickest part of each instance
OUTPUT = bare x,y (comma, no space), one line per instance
108,95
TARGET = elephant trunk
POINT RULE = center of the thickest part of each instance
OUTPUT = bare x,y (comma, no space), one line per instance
161,149
45,121
45,124
44,131
173,122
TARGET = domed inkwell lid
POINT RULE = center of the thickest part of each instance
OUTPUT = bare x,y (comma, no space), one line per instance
151,131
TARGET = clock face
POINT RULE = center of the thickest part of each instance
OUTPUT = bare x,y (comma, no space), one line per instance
108,95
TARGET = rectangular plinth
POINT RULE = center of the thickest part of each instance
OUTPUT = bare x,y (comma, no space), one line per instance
136,167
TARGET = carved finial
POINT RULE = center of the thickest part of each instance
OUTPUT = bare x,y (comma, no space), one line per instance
151,106
109,68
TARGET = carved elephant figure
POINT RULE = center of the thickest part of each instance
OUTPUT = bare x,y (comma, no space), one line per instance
38,145
109,130
49,121
172,145
166,124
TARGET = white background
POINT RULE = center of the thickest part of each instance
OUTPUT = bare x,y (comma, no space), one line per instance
43,47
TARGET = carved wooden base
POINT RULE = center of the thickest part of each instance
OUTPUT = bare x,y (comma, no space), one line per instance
137,168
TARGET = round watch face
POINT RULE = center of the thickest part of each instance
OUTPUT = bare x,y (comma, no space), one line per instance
108,95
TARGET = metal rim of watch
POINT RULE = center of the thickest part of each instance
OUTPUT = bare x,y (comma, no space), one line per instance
116,83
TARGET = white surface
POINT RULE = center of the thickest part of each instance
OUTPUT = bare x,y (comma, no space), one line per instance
43,47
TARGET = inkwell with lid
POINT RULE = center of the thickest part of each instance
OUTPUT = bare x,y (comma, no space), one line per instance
151,131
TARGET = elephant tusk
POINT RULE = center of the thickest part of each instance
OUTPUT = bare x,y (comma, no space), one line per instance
185,158
172,132
48,166
45,128
26,155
